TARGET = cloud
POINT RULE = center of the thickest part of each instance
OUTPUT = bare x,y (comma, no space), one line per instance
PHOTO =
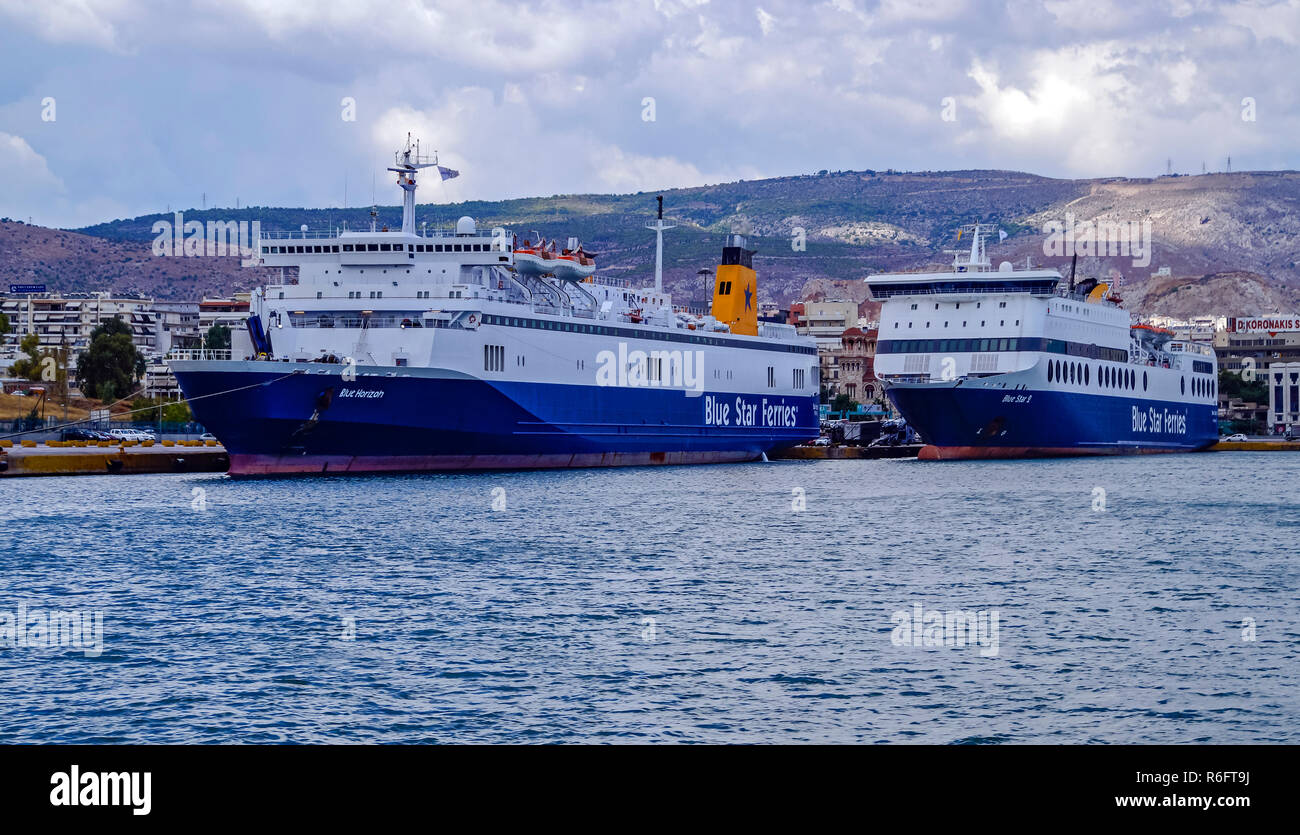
493,143
536,98
27,177
90,22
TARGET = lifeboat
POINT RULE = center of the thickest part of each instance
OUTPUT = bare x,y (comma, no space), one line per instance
570,264
535,259
574,265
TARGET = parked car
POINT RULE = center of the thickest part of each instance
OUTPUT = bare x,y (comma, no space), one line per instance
1235,438
207,436
76,434
822,441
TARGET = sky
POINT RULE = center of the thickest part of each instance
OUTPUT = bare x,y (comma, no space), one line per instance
118,108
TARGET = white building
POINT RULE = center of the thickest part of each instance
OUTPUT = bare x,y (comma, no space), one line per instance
67,320
826,321
1283,395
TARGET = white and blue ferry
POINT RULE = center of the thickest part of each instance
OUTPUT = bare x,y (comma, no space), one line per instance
1006,363
382,351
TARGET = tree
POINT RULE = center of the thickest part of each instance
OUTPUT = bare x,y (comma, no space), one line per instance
1231,385
40,364
4,324
843,403
218,337
110,367
178,412
29,368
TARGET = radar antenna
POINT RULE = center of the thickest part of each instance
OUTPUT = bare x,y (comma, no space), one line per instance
407,163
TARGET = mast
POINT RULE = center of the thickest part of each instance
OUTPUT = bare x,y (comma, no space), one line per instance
659,226
408,162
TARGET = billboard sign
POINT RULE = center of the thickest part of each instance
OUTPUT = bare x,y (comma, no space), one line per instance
1269,323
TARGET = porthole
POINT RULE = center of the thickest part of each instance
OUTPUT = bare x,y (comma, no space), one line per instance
1144,381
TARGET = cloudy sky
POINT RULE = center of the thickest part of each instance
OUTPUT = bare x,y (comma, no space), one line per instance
116,108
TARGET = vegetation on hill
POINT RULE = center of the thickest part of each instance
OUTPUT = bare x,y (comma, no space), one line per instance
830,227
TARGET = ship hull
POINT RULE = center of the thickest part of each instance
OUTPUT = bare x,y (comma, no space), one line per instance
960,423
274,421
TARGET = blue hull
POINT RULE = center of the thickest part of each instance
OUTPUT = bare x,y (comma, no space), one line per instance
277,422
1001,423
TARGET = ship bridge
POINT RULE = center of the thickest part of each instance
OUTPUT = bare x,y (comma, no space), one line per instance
964,284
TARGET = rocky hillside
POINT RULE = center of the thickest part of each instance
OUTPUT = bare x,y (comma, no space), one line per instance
1230,241
76,262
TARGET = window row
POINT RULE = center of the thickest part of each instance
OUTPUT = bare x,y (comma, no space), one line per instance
958,346
322,249
630,333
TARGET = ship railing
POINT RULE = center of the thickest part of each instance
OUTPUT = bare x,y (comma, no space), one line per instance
892,291
198,354
481,231
308,235
326,321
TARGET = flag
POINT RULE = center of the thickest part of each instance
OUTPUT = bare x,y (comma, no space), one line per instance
447,173
959,234
1002,236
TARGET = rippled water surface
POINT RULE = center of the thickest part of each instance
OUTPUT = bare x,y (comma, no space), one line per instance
678,604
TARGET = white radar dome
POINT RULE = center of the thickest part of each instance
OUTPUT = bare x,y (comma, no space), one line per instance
1005,267
465,226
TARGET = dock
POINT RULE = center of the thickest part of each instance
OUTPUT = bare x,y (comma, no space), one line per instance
1256,446
54,458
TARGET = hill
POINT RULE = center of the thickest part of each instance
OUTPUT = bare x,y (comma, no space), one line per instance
76,262
1235,236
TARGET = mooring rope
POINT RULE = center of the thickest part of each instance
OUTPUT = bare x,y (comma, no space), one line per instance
57,427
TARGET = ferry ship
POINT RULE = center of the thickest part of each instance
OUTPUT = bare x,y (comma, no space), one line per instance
1006,363
398,351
